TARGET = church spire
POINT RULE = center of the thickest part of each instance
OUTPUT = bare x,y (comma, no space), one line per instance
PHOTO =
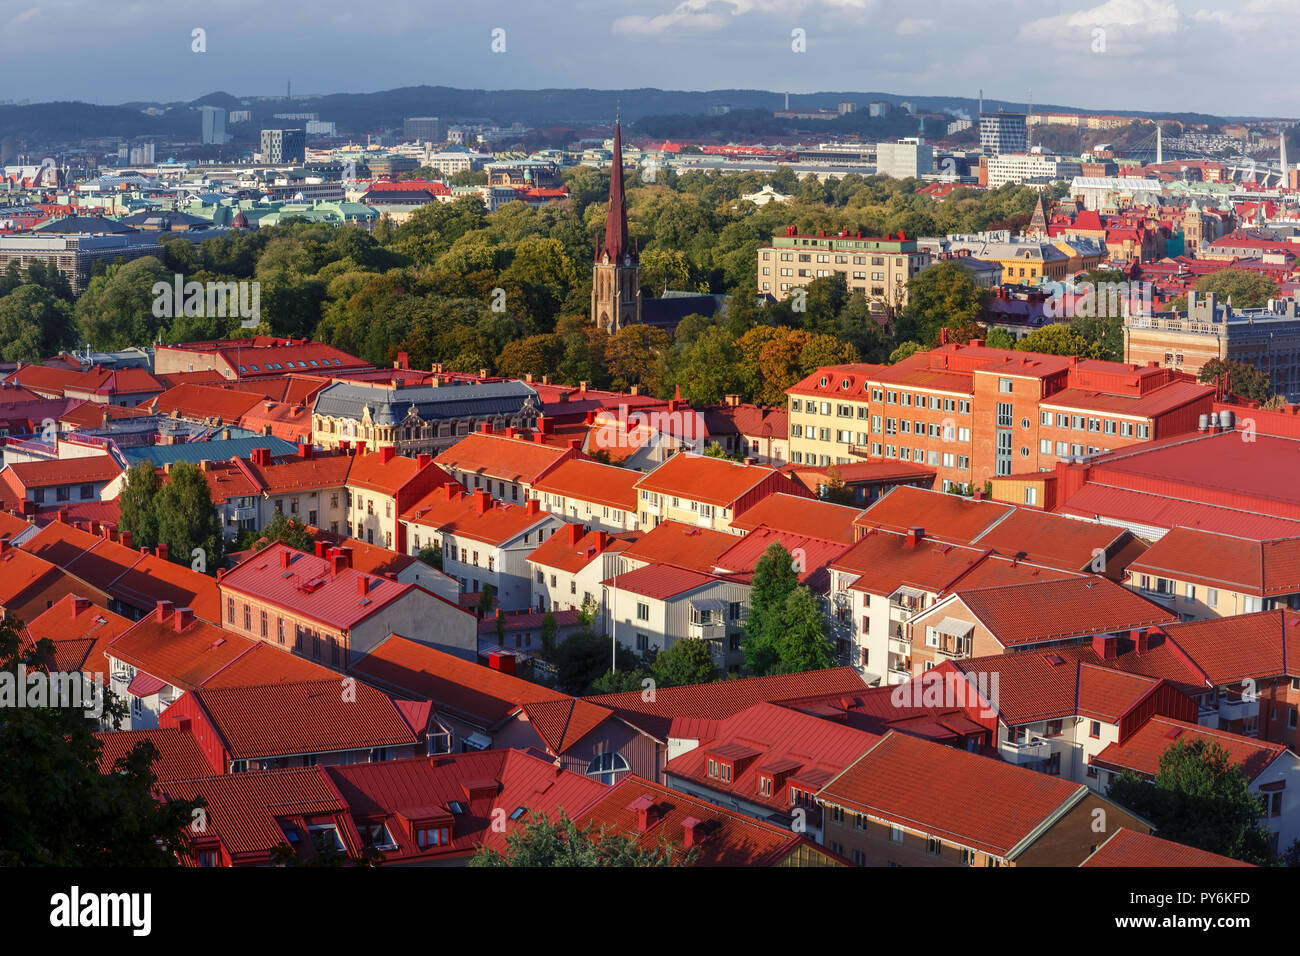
616,244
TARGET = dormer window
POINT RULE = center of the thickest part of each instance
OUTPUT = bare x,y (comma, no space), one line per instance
429,837
765,784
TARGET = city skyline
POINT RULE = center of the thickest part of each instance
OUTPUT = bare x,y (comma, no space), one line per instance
951,49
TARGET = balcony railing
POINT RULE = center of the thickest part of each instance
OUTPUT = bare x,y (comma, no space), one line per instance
1030,750
707,632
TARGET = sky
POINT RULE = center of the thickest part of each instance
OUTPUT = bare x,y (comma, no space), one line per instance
1233,57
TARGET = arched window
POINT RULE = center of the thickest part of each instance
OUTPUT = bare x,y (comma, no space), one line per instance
607,766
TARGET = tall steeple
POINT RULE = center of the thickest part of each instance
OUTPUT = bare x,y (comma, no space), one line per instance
616,244
616,275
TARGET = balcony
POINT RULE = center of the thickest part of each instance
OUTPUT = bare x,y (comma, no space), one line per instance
243,514
1238,709
903,648
650,509
706,632
860,451
841,599
1030,750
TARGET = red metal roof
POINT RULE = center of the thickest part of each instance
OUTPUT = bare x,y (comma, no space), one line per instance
80,631
799,515
700,478
660,581
681,545
503,458
949,517
179,756
1232,649
1261,568
592,481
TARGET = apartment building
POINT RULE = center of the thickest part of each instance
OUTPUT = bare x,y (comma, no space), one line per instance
599,496
707,492
381,487
323,609
484,542
975,413
878,267
506,466
568,567
911,802
1025,167
1202,574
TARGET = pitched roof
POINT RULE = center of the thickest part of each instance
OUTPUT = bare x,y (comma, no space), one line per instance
285,577
591,481
660,581
502,457
798,515
680,545
301,717
783,744
379,471
811,555
701,478
1232,649
64,471
732,839
1261,568
478,516
943,516
967,799
1052,610
560,552
205,402
1127,847
1142,751
179,755
80,632
722,699
469,690
184,659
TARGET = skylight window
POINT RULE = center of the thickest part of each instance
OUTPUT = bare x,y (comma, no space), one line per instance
519,812
456,807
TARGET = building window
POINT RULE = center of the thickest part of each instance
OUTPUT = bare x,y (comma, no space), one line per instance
642,611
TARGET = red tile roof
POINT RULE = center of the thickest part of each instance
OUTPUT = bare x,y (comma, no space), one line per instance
499,457
811,555
1232,649
559,552
153,579
700,478
374,473
591,481
964,798
1142,751
722,699
947,517
477,516
480,782
787,747
1054,610
660,581
205,403
80,632
309,587
1261,568
185,659
1128,848
246,811
301,717
681,545
63,471
179,755
484,696
797,515
732,839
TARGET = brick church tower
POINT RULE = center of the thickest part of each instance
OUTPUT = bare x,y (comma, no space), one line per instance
616,278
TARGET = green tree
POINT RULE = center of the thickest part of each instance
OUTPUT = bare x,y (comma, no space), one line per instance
431,554
687,661
942,296
905,351
582,657
34,323
1199,797
56,808
620,682
549,627
774,580
117,309
802,642
715,450
835,490
290,531
541,842
1246,380
1246,289
1000,339
186,517
138,504
1058,338
485,600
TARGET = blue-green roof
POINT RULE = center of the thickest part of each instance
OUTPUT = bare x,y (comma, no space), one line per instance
220,450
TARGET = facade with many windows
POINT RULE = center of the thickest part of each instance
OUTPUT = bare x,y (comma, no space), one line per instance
877,268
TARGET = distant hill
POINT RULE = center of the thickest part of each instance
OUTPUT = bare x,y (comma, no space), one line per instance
360,113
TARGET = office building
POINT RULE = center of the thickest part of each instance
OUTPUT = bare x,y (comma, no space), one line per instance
908,158
1003,133
281,146
214,125
426,129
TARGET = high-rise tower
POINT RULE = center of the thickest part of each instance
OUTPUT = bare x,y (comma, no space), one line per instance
616,278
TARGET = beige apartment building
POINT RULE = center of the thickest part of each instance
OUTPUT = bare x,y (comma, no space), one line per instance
879,268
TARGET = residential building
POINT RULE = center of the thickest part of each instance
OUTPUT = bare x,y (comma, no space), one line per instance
506,466
707,492
878,268
908,158
568,568
381,487
282,147
600,496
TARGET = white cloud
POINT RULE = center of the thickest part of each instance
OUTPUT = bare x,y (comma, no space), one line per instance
1129,25
704,16
908,28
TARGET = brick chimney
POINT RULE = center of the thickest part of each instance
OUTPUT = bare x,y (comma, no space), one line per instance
423,460
482,501
337,563
387,453
532,507
284,558
692,832
1141,640
573,533
915,535
80,605
183,619
602,541
1105,646
322,549
304,450
363,584
163,610
346,555
125,539
485,428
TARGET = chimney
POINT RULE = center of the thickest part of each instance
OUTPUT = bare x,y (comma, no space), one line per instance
485,428
482,501
574,444
63,515
346,555
162,550
751,461
1105,646
539,438
510,432
4,545
361,448
1141,640
387,453
304,450
915,536
532,507
80,605
422,460
644,808
363,584
321,548
163,610
146,551
602,541
582,387
574,533
692,832
284,558
978,496
403,361
184,617
337,563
